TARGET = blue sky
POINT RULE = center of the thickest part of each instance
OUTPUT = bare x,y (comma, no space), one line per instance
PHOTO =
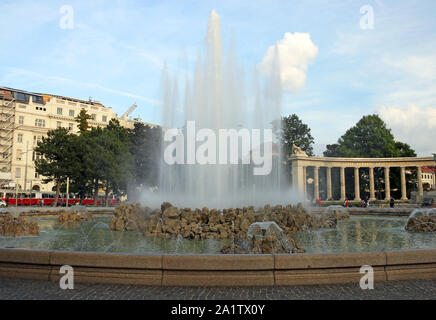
116,51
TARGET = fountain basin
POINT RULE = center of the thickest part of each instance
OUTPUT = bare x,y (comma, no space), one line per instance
218,270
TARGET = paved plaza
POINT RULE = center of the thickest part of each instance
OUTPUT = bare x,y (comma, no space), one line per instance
17,289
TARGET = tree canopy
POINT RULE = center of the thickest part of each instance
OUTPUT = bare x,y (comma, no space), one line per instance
369,138
82,118
108,158
291,130
55,158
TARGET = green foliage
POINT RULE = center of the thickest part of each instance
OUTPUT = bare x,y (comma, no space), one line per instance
110,158
145,147
82,118
369,138
292,131
57,159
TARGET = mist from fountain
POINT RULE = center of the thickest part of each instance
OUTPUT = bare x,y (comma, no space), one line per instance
216,97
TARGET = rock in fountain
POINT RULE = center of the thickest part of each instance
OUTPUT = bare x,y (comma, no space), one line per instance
264,238
75,214
14,225
422,220
172,222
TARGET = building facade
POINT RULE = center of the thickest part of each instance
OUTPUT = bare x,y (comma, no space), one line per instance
26,117
429,178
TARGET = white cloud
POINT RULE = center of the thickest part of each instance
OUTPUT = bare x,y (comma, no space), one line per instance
413,125
295,52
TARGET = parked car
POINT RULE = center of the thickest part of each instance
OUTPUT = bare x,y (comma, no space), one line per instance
427,202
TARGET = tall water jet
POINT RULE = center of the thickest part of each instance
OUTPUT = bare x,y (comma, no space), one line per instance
216,98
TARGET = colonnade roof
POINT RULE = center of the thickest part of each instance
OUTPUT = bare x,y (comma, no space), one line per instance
362,162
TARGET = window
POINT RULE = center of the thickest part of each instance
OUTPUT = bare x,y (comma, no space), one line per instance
21,120
20,138
19,152
17,172
71,113
71,126
59,111
58,124
104,118
22,97
36,175
40,123
37,99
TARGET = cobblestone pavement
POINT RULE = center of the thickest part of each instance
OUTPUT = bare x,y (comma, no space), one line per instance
13,289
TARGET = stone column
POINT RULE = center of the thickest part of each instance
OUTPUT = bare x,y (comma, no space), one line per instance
356,185
371,185
316,182
305,182
342,184
329,183
420,189
297,176
387,185
403,184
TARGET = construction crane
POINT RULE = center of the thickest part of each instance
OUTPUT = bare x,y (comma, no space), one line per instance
129,111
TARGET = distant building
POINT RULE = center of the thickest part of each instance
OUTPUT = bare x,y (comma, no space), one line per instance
25,117
428,177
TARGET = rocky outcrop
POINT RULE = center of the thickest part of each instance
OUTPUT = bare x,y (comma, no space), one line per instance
422,220
11,226
268,244
207,223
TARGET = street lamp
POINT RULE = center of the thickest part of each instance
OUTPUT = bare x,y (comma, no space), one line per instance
25,169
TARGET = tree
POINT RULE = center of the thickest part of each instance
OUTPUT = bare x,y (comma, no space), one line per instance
56,161
370,138
291,130
82,118
107,157
145,147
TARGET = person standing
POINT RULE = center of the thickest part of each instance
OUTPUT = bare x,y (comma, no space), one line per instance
346,203
392,202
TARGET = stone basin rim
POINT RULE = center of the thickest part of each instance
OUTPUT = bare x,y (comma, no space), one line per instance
218,270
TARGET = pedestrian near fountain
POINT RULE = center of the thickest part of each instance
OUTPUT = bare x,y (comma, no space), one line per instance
392,202
319,202
346,203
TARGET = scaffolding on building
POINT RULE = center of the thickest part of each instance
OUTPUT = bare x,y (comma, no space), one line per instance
7,128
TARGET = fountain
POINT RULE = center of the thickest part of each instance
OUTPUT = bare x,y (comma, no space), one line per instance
422,220
12,224
215,97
